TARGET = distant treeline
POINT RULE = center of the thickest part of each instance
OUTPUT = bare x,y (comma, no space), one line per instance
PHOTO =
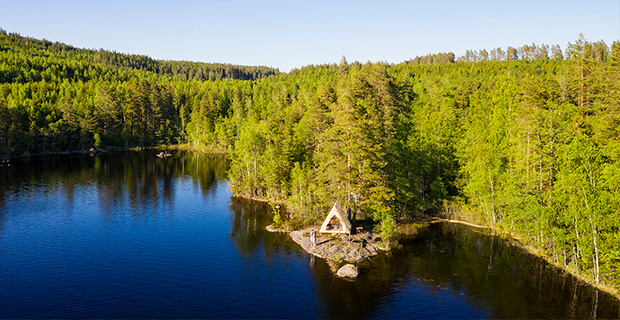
598,51
439,58
520,140
184,70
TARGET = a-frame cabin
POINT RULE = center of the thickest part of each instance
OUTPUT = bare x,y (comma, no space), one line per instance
336,221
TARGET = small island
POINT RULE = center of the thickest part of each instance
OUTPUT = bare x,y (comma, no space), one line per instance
338,242
339,249
347,248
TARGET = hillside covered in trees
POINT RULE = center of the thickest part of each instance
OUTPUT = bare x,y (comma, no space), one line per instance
525,140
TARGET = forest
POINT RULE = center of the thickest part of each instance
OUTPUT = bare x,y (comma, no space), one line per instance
524,139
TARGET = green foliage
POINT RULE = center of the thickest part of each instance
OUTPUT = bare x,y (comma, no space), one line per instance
387,228
97,142
526,139
277,220
336,257
58,98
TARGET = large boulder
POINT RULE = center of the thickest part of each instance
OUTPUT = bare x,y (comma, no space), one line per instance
348,271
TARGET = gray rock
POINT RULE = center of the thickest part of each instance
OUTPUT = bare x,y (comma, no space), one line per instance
348,271
328,248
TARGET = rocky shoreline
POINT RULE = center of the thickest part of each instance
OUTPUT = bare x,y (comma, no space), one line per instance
338,249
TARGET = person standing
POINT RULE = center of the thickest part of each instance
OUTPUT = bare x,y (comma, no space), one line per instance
313,238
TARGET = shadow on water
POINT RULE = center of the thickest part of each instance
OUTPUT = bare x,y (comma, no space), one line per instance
493,275
450,271
248,227
512,282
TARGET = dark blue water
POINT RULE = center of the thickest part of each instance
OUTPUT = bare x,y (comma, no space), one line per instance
129,235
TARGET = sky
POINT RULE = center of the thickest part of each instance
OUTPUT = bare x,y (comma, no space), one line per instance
292,34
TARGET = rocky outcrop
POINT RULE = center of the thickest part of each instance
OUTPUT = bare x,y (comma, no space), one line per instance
352,249
348,271
272,228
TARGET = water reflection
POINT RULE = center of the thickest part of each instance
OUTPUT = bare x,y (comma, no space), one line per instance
248,228
449,271
510,282
139,180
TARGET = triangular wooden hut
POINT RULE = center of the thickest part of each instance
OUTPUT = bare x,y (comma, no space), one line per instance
336,221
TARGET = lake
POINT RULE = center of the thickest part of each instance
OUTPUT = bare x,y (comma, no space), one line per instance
130,235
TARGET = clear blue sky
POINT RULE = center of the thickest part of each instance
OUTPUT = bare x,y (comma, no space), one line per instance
291,34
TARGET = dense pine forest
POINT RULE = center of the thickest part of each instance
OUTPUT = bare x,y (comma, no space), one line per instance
525,140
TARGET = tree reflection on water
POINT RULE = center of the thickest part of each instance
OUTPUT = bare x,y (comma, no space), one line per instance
138,178
447,271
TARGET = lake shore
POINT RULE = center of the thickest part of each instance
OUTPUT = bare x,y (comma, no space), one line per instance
198,149
94,151
358,248
91,151
337,248
517,241
404,229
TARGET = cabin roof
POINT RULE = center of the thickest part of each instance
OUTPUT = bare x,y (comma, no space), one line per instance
338,213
